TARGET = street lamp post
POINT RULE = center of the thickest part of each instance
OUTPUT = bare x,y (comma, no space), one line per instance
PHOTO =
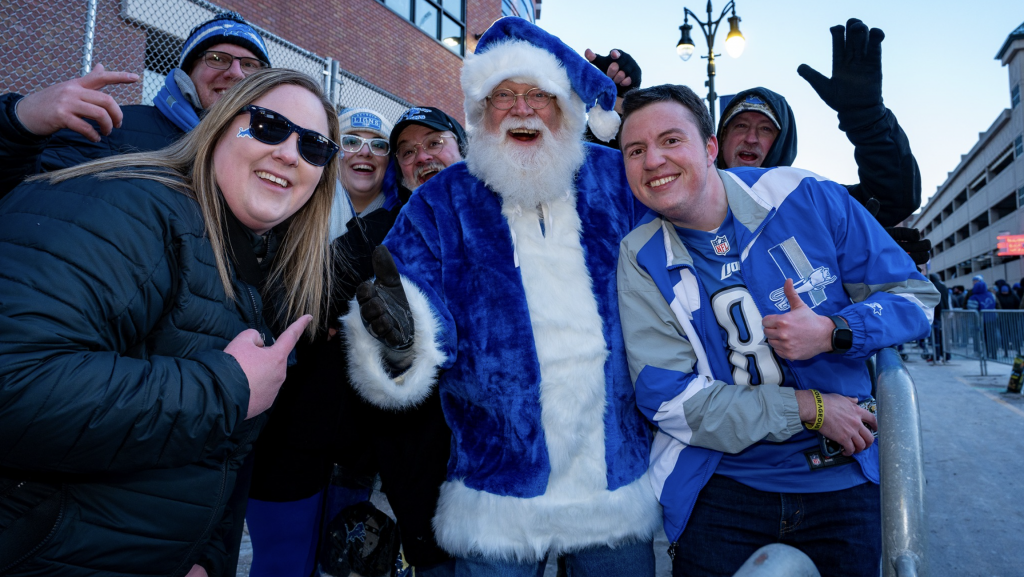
734,43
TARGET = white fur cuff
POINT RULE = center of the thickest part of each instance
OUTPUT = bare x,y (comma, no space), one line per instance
366,362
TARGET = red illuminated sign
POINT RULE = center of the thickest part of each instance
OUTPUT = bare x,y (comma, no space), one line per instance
1010,245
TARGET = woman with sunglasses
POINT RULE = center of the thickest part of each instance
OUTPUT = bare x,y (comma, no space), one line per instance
140,299
318,421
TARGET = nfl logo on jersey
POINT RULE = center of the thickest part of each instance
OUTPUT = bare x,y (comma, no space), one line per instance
721,244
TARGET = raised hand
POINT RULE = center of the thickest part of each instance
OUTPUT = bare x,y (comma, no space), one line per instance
800,333
265,367
383,306
67,104
619,66
856,81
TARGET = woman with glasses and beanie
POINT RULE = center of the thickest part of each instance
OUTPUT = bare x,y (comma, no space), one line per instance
149,304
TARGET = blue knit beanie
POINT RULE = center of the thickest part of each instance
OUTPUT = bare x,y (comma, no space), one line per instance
224,28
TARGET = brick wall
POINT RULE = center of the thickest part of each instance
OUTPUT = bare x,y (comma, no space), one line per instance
368,39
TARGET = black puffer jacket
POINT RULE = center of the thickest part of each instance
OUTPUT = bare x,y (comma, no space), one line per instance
22,153
887,169
122,421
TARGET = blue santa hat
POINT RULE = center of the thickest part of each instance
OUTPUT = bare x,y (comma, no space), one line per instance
515,49
224,28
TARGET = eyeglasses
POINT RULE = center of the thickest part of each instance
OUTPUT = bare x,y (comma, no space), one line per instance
408,151
505,99
353,143
269,127
223,60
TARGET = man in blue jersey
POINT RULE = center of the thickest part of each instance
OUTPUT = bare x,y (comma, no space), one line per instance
749,299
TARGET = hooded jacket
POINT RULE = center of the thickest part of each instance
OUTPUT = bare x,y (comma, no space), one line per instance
980,298
887,168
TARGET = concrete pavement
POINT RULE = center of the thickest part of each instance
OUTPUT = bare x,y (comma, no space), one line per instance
973,436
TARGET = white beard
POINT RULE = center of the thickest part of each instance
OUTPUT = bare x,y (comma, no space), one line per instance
526,176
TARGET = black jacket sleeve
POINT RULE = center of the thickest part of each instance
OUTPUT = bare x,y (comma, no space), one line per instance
20,150
887,169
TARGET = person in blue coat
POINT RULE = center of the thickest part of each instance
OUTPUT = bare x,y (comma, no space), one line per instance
749,299
508,263
149,304
74,121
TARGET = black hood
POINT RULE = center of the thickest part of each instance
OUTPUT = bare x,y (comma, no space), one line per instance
783,150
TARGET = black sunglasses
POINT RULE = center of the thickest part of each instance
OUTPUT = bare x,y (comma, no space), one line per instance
270,127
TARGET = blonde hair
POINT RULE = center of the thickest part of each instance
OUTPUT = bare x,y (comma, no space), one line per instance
302,266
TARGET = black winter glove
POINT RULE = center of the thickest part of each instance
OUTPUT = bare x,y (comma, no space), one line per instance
856,81
910,240
626,64
384,310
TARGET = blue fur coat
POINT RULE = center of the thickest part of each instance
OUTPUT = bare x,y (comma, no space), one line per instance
517,322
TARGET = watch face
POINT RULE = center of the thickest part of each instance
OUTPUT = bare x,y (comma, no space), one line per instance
842,339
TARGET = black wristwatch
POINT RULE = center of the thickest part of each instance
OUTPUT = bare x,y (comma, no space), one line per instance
842,336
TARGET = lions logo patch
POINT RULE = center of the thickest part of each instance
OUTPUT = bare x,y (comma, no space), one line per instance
807,279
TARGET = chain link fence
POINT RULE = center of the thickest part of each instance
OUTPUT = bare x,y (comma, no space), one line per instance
43,43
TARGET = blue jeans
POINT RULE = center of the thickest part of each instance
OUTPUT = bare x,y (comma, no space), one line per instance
633,559
841,531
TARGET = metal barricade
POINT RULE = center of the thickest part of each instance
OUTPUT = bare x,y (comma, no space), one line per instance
989,335
41,45
901,461
963,335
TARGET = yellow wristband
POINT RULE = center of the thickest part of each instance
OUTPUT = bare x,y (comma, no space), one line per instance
819,412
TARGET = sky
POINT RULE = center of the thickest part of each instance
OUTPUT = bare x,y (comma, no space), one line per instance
939,73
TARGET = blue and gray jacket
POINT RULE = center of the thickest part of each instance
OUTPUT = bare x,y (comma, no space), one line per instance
790,224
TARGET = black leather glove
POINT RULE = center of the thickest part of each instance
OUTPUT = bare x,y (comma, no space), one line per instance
910,240
856,81
626,64
384,310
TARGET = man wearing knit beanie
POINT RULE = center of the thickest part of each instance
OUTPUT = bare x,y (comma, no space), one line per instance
73,122
501,295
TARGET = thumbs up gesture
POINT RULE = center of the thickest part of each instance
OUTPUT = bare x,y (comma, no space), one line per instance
800,333
265,367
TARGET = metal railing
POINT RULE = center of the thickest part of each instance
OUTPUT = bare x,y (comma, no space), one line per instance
901,461
41,45
990,335
901,464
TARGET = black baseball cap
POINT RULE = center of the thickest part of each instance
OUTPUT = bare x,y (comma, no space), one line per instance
430,117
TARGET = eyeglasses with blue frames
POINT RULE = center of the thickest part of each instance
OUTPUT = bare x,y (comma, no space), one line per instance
269,127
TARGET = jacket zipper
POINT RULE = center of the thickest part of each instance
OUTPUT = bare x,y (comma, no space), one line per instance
224,468
46,540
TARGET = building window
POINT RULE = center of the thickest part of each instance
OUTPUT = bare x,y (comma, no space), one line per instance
443,20
1015,96
521,8
1018,146
1020,197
